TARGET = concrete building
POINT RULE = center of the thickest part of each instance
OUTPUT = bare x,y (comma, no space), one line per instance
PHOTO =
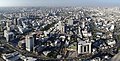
70,22
61,27
79,32
8,25
111,42
15,21
8,35
29,43
11,56
30,59
20,29
84,47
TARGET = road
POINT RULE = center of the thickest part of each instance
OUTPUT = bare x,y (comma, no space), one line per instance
26,53
116,57
11,47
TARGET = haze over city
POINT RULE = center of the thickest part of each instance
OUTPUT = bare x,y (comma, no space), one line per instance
59,30
9,3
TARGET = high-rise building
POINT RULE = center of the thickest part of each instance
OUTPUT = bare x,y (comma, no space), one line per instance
15,21
61,27
29,43
8,35
7,25
79,32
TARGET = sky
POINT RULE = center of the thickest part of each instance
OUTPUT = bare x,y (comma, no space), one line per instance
9,3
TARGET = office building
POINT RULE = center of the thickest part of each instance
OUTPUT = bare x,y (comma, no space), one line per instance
29,43
8,35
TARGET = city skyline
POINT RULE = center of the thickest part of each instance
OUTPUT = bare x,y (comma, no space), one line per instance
59,30
6,3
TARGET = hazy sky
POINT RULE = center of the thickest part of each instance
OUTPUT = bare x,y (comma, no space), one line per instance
59,3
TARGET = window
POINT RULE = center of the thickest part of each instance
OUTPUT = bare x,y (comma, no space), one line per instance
81,48
87,47
84,48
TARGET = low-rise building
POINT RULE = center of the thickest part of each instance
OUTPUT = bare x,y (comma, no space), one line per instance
84,47
11,57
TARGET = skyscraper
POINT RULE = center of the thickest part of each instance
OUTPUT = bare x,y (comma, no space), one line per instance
29,43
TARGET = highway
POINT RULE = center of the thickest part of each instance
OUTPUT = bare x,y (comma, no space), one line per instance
23,52
30,54
116,57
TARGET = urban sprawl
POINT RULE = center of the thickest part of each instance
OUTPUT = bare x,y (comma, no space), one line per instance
59,34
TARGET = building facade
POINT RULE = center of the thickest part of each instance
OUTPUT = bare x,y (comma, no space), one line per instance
29,43
84,47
